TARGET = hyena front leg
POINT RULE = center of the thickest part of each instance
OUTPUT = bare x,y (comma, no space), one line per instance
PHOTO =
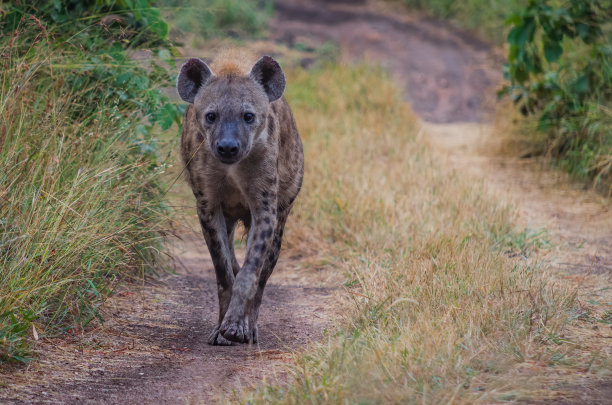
238,324
268,267
231,228
215,233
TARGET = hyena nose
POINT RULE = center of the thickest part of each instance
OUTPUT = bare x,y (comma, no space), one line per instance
227,148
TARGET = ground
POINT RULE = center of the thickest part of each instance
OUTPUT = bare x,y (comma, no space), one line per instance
153,348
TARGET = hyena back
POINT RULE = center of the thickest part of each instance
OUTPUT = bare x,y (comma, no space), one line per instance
244,162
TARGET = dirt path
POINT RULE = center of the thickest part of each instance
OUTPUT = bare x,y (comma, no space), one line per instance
153,348
447,73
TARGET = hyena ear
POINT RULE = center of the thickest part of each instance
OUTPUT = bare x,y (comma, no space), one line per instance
193,75
267,72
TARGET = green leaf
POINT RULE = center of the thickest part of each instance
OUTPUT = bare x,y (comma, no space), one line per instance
521,34
583,31
155,22
166,116
519,73
514,19
581,85
552,51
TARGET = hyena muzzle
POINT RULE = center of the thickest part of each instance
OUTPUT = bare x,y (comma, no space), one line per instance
244,162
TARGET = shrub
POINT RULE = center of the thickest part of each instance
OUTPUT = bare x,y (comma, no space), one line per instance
80,192
560,72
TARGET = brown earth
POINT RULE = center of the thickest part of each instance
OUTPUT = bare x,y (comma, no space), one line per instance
152,349
447,73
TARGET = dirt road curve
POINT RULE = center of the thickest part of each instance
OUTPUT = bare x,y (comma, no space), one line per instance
153,349
447,73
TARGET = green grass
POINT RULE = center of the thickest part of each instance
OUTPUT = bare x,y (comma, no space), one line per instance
217,18
81,204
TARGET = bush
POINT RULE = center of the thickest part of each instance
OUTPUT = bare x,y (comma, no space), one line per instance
560,72
80,192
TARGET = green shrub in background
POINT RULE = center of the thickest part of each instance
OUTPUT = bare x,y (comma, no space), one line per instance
560,70
213,18
80,191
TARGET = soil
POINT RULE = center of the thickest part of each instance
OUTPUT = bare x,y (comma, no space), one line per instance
152,349
448,74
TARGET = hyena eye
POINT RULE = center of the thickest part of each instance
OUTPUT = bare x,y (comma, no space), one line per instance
249,117
211,117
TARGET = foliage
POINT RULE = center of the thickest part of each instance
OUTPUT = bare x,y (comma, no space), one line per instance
214,18
560,71
80,191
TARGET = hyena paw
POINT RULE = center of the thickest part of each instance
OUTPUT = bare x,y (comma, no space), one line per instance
237,330
216,339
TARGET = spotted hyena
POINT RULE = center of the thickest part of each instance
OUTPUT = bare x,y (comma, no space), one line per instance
244,163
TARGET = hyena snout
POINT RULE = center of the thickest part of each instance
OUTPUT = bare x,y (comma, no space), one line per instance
229,143
227,149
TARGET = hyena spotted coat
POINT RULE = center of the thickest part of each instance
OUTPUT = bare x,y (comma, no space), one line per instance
244,162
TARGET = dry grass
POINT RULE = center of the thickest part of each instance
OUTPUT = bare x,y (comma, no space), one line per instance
80,205
440,295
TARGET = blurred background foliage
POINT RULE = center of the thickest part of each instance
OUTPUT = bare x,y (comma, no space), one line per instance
560,72
217,18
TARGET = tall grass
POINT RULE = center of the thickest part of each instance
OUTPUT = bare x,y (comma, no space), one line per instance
441,297
80,193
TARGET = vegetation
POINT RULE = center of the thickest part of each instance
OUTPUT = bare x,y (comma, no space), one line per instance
81,151
80,192
560,70
214,18
485,17
442,296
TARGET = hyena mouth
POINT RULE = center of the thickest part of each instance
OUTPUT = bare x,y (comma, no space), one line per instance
228,160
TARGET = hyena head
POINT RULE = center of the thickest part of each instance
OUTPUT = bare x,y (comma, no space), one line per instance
231,105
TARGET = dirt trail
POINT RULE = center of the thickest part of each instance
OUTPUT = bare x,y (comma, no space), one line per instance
153,348
447,73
